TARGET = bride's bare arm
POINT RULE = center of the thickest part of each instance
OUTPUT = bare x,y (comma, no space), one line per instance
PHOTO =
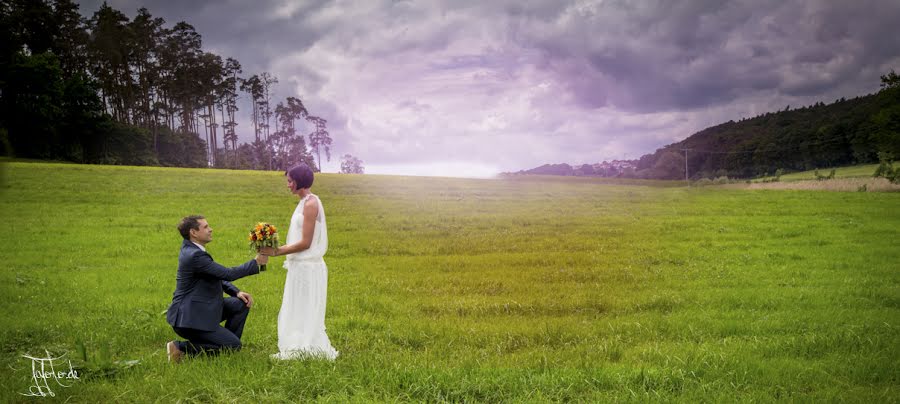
310,212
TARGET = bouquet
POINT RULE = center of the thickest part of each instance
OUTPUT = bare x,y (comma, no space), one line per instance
263,235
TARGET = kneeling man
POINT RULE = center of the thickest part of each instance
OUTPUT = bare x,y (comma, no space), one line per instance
198,305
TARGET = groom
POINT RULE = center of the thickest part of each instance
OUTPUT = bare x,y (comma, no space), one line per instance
197,305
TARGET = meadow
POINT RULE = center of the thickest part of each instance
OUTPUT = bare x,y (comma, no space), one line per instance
856,178
443,289
855,171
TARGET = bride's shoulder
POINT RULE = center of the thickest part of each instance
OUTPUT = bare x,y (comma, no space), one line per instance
311,202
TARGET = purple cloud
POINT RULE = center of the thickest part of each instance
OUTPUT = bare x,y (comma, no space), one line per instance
447,87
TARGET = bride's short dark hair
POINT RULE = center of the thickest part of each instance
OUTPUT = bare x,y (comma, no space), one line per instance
301,174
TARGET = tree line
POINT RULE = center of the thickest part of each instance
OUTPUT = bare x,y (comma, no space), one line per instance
113,90
861,130
845,132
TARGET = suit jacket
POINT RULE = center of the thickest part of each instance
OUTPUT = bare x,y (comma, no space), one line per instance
197,301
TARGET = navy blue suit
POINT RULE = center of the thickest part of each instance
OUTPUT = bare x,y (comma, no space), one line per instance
198,306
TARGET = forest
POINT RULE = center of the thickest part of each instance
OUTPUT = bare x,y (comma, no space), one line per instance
113,90
845,132
861,130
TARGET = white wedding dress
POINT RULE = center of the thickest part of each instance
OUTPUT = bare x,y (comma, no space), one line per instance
301,321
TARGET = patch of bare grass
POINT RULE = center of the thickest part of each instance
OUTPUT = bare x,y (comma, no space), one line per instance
841,184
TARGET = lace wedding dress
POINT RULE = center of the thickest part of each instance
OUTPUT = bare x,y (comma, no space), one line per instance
301,321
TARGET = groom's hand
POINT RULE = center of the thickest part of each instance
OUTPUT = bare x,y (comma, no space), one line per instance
262,259
248,300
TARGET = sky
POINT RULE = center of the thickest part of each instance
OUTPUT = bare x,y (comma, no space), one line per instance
473,88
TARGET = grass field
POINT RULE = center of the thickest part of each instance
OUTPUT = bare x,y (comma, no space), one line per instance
857,171
463,290
846,179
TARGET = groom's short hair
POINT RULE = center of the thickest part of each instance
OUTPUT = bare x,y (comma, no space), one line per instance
301,174
188,223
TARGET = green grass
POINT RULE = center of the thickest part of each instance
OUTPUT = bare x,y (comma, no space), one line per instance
447,289
858,171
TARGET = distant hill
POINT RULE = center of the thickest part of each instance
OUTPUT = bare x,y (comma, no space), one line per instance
615,168
845,132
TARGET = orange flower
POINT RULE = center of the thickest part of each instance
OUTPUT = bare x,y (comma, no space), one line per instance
272,228
259,226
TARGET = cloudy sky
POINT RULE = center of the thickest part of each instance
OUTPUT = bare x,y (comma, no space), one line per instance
472,88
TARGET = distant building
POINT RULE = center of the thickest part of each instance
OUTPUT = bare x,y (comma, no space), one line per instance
613,168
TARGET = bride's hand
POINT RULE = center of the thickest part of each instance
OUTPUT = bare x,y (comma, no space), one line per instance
267,251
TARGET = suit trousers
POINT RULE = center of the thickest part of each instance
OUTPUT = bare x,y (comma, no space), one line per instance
234,313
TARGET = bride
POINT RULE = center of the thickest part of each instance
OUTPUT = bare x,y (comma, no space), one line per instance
301,321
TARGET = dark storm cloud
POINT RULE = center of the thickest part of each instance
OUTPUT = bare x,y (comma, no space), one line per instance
685,55
420,85
252,32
